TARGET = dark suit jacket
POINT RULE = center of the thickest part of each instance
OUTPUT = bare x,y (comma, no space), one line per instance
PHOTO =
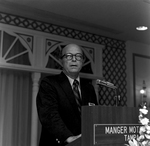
57,108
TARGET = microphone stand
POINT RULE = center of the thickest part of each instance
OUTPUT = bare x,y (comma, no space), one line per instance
117,97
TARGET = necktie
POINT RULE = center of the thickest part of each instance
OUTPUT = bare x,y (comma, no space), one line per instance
77,94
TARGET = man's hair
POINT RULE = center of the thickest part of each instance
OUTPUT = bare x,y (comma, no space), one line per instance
61,52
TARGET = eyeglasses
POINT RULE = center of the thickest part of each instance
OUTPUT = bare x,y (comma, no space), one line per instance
69,56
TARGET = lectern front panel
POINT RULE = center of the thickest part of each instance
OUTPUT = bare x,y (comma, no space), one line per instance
108,126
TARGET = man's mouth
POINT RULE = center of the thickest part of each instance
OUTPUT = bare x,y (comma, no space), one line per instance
73,65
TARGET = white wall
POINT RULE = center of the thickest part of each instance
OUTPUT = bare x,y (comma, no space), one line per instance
143,51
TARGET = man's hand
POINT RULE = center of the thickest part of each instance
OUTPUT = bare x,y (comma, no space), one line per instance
72,138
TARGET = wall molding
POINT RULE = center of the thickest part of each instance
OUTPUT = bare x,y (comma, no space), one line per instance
37,25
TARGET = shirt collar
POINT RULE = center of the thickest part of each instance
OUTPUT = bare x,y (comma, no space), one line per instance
71,80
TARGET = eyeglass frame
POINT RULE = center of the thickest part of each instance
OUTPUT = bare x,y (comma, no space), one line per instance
71,55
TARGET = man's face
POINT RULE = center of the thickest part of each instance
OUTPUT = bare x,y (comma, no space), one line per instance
72,64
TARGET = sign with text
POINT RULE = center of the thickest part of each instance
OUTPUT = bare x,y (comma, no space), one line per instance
115,133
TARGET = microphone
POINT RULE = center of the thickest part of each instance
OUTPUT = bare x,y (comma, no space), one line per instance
105,83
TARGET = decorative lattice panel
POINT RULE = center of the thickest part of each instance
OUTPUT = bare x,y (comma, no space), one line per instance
58,30
114,68
53,51
16,48
114,71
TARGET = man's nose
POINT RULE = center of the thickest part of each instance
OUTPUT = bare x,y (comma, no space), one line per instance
74,58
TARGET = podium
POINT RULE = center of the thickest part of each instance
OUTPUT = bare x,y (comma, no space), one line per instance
108,126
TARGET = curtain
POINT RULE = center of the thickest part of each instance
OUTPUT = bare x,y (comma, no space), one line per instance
15,108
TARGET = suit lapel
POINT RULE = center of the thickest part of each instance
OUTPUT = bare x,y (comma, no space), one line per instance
83,93
86,95
66,87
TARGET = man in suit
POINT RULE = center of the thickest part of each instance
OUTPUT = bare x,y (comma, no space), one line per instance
59,105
